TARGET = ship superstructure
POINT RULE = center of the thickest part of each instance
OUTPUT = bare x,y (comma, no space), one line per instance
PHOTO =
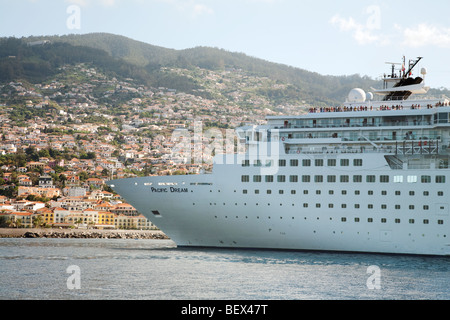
368,176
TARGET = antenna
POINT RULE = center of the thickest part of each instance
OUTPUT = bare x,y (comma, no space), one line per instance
393,68
412,64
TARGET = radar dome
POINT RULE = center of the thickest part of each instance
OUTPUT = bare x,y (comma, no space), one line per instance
357,95
369,96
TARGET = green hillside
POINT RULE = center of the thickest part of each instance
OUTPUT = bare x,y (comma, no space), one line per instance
149,65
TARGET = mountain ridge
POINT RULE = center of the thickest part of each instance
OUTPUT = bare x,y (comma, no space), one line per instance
144,61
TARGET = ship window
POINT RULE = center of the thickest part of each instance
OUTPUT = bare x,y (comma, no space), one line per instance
294,163
425,221
397,207
425,207
357,178
269,178
383,192
305,192
369,219
281,191
305,205
246,163
331,179
398,179
269,191
317,205
306,178
281,178
344,179
440,193
397,193
411,207
370,206
343,206
256,191
383,220
331,192
412,179
293,178
306,162
411,193
343,219
293,192
269,163
440,179
397,220
318,179
383,206
370,178
443,117
282,163
356,205
257,178
411,221
245,178
318,162
384,179
345,162
440,221
426,193
332,162
344,192
356,219
318,192
244,191
357,162
370,192
425,179
257,163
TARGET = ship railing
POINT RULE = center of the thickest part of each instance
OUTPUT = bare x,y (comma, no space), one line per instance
430,147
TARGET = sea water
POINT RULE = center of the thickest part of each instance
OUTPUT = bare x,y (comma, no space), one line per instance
102,269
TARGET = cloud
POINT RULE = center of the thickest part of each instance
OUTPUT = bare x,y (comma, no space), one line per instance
425,35
85,3
192,7
362,33
415,36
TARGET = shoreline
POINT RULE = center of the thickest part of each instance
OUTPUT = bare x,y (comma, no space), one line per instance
82,234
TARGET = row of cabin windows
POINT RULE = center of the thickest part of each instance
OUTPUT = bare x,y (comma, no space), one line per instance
305,163
342,178
356,219
344,205
344,192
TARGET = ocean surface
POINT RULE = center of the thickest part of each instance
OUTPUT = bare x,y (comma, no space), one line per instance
101,269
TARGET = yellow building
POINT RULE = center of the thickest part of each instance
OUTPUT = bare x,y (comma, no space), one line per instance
132,222
48,216
106,219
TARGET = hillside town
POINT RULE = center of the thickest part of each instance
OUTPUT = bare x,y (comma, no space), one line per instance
63,139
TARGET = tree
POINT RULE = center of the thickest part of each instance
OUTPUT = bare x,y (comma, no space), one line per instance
38,221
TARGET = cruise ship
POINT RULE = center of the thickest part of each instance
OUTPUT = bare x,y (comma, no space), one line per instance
368,176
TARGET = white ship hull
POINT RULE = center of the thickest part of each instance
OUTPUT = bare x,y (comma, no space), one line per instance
371,176
212,211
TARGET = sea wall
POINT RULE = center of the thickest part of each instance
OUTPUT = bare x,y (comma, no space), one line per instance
82,234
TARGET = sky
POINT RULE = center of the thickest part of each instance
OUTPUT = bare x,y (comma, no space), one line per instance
325,36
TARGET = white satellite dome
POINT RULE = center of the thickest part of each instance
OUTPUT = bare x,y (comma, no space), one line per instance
369,96
357,95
